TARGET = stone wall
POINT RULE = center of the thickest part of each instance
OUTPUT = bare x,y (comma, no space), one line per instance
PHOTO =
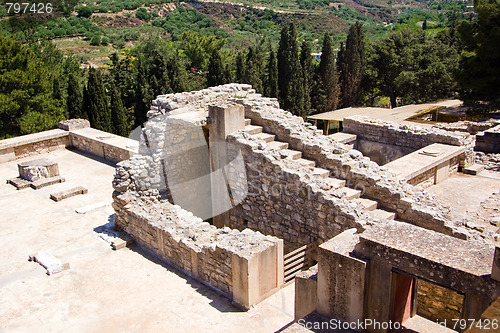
428,177
228,260
285,200
437,303
404,135
102,144
489,141
418,207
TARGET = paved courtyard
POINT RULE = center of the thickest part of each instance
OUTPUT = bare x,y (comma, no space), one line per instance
128,290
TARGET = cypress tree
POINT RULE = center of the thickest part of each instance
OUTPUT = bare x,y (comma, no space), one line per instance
74,102
118,117
306,63
96,103
240,67
272,76
252,73
326,97
352,64
143,96
215,74
290,80
176,73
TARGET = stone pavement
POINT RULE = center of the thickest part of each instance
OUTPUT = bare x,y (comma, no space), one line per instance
128,290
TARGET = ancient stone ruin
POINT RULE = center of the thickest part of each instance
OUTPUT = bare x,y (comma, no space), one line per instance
245,196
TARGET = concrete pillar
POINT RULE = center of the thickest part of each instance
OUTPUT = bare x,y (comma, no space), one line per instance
495,270
378,295
224,119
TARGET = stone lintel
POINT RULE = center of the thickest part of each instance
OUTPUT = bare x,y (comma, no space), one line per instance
460,265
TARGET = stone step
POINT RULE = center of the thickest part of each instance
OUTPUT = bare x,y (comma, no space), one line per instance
321,172
350,193
384,214
265,137
68,193
19,183
336,182
278,145
248,121
368,204
251,129
41,183
306,162
473,169
292,154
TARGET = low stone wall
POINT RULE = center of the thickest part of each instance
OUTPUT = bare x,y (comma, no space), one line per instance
106,145
438,303
418,207
489,141
33,144
428,177
246,266
404,135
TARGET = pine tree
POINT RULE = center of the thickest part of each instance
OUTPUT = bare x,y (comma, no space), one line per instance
352,63
118,117
74,102
215,74
306,63
326,92
271,89
96,102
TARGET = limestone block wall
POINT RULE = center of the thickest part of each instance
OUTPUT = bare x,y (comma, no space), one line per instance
246,266
437,303
419,207
403,135
489,141
32,144
285,200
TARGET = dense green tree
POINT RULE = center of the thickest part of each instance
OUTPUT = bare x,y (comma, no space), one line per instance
414,66
198,47
95,102
176,73
306,63
254,71
74,101
143,96
240,67
290,80
479,74
118,116
351,64
271,87
326,93
215,75
27,103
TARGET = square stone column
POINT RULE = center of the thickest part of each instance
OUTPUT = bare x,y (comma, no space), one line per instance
378,294
495,270
224,120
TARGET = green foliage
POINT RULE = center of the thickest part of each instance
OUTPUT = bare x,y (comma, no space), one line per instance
84,12
215,75
271,87
352,65
306,63
290,81
142,14
326,91
479,74
74,102
118,116
95,102
27,102
198,48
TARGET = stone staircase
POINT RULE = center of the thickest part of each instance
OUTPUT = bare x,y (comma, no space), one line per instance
337,183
